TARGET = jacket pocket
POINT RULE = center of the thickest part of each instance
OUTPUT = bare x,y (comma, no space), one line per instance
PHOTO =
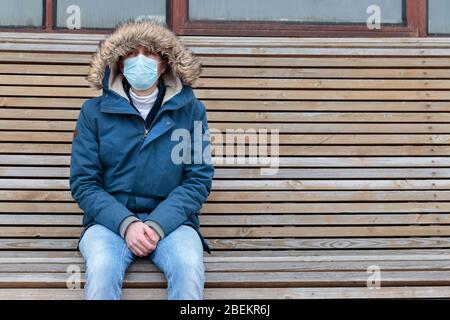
111,152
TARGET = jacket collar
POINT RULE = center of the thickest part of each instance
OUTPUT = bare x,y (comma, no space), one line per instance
160,95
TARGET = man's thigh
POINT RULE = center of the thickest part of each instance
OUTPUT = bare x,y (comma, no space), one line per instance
101,247
182,246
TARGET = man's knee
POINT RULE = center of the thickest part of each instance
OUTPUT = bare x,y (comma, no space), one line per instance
103,264
104,276
186,277
189,266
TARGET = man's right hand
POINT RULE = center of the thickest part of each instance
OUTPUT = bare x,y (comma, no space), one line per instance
137,239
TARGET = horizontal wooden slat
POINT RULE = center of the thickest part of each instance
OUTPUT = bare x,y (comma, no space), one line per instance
223,49
247,279
254,232
242,293
257,162
264,184
282,162
305,105
252,138
54,69
279,117
282,127
255,266
251,72
273,83
48,102
260,244
218,151
258,196
327,173
250,94
48,91
252,173
342,243
263,105
293,62
367,61
41,80
249,220
298,94
322,73
27,56
224,256
255,208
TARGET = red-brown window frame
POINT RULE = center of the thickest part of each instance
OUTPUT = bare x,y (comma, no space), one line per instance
178,21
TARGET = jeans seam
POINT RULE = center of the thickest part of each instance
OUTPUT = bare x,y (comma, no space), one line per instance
166,267
123,261
166,260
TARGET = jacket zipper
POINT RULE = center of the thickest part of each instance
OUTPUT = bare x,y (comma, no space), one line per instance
146,130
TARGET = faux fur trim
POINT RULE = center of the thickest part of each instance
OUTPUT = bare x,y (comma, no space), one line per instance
148,33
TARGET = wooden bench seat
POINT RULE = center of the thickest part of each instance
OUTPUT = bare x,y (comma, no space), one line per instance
364,178
413,275
321,274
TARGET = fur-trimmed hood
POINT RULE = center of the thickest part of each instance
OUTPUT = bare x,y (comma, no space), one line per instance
182,68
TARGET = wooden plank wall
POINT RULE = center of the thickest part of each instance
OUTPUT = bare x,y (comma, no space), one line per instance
364,142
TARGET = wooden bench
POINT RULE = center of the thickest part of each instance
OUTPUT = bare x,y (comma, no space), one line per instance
364,178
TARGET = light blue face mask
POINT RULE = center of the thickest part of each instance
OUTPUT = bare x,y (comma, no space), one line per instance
141,71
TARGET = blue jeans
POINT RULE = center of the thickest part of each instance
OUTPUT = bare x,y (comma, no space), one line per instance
179,256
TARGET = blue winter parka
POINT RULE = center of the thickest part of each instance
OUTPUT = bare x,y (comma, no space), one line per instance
118,169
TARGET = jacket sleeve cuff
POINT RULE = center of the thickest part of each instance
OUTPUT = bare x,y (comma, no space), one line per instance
157,228
125,223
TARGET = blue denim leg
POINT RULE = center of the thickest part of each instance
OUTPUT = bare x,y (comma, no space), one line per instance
107,258
180,257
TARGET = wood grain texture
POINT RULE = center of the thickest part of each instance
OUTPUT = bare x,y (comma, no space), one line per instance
363,173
